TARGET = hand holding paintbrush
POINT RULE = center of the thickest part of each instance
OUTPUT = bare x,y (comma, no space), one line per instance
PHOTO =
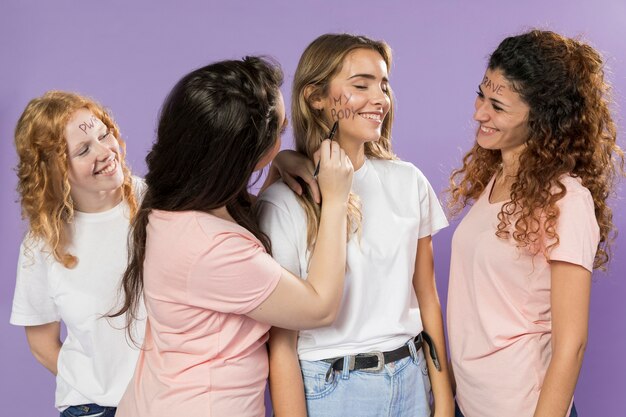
331,135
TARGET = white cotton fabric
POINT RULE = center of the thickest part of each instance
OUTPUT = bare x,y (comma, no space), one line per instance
379,309
96,361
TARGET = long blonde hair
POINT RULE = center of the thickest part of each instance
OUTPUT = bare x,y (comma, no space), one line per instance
43,182
321,61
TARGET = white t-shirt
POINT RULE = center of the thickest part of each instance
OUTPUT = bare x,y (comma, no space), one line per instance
379,309
96,361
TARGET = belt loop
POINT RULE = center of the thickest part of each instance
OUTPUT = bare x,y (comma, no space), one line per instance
345,372
412,350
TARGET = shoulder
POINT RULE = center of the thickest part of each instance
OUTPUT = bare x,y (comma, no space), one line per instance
573,184
401,176
229,249
576,207
279,195
194,239
217,231
574,190
34,250
396,167
139,187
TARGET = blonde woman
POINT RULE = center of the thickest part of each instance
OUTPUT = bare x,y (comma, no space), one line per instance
371,360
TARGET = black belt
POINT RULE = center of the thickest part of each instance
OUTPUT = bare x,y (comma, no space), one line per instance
374,361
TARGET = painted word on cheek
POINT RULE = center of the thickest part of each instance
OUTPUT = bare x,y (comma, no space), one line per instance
344,113
495,88
341,100
89,124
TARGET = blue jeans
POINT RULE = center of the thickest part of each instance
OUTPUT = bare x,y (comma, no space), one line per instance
400,389
88,410
457,412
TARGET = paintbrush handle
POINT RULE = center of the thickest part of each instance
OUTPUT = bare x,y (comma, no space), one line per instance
331,135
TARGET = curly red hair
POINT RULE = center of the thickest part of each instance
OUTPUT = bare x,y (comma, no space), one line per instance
43,183
572,133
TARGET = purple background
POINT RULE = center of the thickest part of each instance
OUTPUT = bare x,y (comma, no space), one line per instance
129,54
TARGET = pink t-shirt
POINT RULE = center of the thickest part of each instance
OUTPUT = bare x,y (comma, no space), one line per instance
499,315
202,356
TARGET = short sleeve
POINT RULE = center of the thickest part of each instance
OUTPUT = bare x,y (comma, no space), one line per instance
277,224
578,230
234,275
33,303
432,217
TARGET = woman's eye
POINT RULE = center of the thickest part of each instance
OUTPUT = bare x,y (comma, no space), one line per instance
480,94
106,135
360,87
83,151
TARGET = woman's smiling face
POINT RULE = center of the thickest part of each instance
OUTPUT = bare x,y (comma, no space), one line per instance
358,97
501,113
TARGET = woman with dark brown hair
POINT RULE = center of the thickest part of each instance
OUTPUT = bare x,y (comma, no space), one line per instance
201,263
537,179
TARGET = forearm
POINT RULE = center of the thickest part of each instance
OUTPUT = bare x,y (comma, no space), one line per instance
440,380
328,261
452,377
432,321
287,389
48,357
313,302
286,386
569,299
560,381
45,344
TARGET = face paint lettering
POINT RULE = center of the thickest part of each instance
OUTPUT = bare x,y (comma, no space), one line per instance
341,100
93,120
344,113
494,87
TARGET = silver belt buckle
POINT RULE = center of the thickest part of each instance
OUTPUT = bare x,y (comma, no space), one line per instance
381,361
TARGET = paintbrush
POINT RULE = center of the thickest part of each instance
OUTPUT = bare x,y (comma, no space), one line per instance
333,130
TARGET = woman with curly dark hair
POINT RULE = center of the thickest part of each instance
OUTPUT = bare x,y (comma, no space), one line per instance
538,177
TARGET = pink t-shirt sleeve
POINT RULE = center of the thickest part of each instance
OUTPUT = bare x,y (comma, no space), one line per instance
234,275
578,230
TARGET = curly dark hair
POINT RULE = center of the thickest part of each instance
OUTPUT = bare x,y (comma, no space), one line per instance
571,132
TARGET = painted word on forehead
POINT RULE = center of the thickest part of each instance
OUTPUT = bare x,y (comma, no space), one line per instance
89,124
341,113
494,87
